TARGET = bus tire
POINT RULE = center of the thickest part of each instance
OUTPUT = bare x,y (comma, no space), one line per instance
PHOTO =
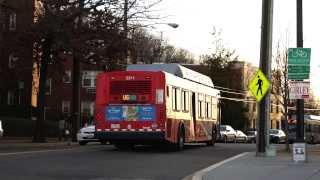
179,145
213,138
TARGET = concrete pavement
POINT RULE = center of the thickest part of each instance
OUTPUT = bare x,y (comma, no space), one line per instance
10,144
247,166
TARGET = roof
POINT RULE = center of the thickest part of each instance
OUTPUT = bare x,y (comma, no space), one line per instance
175,69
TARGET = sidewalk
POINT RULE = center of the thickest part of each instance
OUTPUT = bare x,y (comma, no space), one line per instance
10,144
249,167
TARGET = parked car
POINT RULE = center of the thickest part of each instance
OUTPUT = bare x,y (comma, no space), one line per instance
251,135
227,134
86,134
277,136
1,129
241,137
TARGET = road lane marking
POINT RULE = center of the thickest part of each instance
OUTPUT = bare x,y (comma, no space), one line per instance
199,174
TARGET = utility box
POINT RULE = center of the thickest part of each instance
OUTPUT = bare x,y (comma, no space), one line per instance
299,152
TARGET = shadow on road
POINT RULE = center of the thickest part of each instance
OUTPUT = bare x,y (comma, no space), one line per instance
157,148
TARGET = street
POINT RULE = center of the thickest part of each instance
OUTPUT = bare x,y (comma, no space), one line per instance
96,161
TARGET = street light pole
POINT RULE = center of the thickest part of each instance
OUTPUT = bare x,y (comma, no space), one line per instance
173,25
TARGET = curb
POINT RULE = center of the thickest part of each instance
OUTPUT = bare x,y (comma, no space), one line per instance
199,174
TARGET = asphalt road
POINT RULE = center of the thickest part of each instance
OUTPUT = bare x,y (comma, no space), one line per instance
104,162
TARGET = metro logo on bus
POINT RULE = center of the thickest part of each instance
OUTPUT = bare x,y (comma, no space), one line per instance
129,97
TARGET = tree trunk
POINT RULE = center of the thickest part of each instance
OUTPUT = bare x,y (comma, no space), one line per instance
39,133
75,119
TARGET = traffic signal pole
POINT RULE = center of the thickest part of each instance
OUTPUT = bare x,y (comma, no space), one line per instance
265,66
300,102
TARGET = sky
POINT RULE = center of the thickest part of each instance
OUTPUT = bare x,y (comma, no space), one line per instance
239,22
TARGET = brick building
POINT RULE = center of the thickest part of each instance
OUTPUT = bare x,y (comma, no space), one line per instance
19,76
15,61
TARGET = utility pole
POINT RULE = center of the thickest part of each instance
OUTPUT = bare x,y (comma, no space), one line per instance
265,66
76,79
300,102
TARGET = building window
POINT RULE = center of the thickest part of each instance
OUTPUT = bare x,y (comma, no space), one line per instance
87,108
66,107
89,79
12,60
10,98
271,107
49,86
12,21
277,107
67,77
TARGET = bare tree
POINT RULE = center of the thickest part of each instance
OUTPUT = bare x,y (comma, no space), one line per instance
92,31
280,84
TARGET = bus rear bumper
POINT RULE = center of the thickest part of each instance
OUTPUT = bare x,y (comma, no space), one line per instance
130,136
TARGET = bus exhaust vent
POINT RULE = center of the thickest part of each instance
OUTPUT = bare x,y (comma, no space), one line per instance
130,87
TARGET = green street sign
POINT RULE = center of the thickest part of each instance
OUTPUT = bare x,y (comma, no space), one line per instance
298,69
299,56
298,63
297,76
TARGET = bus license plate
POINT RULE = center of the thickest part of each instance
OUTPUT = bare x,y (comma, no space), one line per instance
115,126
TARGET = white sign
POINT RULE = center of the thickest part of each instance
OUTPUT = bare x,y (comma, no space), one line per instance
299,90
299,152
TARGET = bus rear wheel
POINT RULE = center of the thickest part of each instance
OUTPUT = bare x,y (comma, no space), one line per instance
179,145
213,138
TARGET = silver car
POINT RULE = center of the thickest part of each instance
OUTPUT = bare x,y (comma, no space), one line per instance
1,129
277,136
241,137
86,134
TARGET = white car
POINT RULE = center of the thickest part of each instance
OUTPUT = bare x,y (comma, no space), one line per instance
277,136
1,130
86,134
241,137
227,133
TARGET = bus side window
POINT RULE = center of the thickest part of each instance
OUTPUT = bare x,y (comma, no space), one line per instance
184,101
178,99
167,90
175,99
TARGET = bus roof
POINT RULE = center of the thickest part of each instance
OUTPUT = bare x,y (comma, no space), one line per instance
175,69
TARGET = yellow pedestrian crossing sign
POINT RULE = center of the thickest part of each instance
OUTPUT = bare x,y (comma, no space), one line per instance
259,85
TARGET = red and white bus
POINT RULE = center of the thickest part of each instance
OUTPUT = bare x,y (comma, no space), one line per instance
155,103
